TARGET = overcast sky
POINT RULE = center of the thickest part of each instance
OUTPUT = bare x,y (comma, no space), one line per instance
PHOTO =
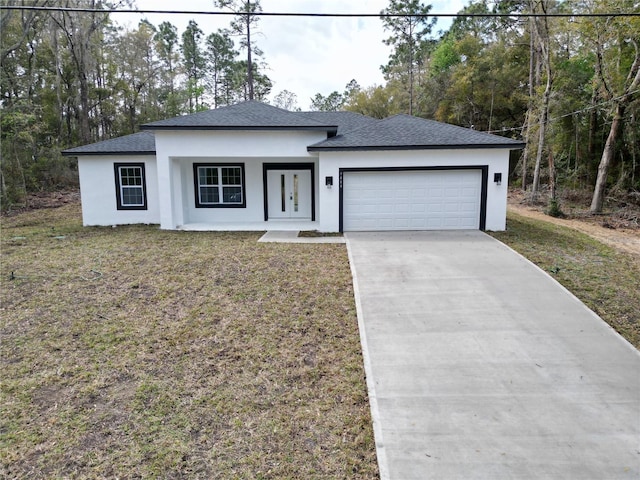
306,55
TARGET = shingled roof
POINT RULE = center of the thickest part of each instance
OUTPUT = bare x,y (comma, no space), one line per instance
404,132
345,131
251,115
141,143
346,121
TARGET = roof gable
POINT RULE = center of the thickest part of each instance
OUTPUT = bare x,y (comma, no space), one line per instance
251,115
405,132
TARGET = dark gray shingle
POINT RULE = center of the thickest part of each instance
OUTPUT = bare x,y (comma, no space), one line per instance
346,121
406,132
251,115
355,131
141,143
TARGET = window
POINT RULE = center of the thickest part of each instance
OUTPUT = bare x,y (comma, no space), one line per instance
219,185
130,186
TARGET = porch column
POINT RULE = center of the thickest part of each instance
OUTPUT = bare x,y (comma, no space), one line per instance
165,192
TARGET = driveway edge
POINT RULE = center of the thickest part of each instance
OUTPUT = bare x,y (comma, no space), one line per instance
569,293
381,453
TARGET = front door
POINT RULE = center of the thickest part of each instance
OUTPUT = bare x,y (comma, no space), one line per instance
289,193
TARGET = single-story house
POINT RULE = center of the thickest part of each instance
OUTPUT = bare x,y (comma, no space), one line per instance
253,166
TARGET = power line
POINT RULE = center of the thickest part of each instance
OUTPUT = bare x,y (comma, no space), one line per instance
325,15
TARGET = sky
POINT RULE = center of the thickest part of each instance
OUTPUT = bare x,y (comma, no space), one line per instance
305,55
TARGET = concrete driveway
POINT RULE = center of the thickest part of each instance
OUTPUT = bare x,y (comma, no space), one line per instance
480,366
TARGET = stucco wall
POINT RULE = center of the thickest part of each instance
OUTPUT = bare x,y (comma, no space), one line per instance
496,159
178,150
98,191
172,174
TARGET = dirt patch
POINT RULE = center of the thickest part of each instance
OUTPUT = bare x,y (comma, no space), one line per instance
617,228
40,200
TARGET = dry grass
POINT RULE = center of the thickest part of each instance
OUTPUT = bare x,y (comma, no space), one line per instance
606,280
134,353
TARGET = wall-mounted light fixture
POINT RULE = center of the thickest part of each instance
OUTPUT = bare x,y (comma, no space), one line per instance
497,178
328,181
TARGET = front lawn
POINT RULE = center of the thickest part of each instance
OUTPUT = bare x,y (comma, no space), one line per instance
131,352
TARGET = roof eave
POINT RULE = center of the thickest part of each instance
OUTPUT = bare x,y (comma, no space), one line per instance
510,146
67,153
319,128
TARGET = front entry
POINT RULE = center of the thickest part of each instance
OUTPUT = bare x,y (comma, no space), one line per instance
289,194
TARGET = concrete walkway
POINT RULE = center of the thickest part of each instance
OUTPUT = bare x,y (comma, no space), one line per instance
480,366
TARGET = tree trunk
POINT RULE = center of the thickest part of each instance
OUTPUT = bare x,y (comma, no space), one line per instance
249,62
525,151
593,127
85,129
411,47
544,115
532,79
607,158
552,177
544,45
535,187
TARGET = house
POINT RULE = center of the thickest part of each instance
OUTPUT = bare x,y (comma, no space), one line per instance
252,166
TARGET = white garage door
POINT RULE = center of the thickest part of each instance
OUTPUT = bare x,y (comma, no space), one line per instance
412,200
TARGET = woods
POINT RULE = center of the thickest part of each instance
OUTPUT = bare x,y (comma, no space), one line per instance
71,78
568,86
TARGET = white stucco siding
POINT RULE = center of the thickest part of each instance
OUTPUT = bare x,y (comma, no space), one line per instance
98,191
497,161
226,143
177,151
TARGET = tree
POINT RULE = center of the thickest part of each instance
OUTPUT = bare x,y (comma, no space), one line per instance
238,84
220,57
242,24
167,46
194,63
476,84
408,32
287,100
375,101
138,70
616,43
351,91
83,32
331,103
542,40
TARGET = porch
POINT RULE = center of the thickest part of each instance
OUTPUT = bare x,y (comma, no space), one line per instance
263,226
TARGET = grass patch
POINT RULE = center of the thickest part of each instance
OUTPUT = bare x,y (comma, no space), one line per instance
603,278
133,352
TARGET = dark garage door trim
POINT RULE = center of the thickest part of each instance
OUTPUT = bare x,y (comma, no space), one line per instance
483,191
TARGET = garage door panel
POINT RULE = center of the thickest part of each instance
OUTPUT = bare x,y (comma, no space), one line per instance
402,208
412,200
468,207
